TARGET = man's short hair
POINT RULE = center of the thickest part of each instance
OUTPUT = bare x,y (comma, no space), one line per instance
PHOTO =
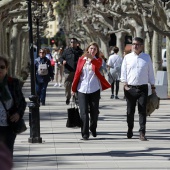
74,39
138,39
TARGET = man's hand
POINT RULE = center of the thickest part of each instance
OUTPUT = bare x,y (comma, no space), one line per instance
15,117
126,86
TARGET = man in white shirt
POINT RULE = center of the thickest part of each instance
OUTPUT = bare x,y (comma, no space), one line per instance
136,73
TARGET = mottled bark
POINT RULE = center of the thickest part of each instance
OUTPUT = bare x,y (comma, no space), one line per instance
168,62
156,51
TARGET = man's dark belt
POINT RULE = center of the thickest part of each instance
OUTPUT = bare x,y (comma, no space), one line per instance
138,86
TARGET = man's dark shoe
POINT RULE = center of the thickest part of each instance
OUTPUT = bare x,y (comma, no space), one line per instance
142,137
93,132
85,137
129,133
68,101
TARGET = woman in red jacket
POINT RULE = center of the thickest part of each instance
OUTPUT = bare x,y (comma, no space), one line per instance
88,82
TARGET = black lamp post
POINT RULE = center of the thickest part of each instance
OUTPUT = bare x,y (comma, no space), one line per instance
34,116
37,18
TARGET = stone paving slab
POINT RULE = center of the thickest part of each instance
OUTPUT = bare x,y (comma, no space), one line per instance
62,148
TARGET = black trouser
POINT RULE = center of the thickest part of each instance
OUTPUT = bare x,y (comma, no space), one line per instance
137,94
117,87
91,100
7,137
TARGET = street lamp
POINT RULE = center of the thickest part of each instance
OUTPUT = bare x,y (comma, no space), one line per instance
34,116
37,17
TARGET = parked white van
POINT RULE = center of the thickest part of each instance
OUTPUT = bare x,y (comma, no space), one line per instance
164,63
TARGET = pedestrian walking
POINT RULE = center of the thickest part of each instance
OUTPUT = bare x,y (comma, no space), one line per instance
136,73
11,99
88,82
58,67
114,67
44,74
69,60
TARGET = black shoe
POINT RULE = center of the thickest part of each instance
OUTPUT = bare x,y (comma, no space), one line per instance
94,134
43,103
129,133
112,96
68,101
116,97
85,137
142,137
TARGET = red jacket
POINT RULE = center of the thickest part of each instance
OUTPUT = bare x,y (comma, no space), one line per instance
96,64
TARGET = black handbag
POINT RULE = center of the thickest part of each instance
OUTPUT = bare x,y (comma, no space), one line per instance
73,119
17,127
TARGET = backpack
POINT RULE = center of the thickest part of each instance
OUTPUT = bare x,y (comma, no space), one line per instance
42,69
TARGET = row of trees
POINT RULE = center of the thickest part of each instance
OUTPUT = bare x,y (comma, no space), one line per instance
88,20
14,28
97,20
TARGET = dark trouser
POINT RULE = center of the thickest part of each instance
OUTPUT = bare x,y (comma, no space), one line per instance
7,137
41,91
68,83
117,87
91,100
139,95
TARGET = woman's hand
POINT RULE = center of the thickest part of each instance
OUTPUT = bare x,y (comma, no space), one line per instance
73,93
64,62
15,117
89,56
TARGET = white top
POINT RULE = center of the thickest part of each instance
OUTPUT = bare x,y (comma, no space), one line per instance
114,60
56,56
3,114
48,56
88,82
137,69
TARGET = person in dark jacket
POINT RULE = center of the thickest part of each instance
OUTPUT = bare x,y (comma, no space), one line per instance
44,74
11,96
69,59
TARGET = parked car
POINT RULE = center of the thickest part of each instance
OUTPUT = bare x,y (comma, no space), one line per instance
164,63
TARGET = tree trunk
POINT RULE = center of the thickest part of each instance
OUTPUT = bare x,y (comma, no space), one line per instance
156,52
168,62
13,48
120,43
104,48
148,42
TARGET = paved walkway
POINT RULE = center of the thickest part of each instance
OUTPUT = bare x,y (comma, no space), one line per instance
63,148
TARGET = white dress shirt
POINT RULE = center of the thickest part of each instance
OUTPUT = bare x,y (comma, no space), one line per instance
88,83
137,69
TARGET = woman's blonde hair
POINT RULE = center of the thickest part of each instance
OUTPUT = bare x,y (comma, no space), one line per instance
96,45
